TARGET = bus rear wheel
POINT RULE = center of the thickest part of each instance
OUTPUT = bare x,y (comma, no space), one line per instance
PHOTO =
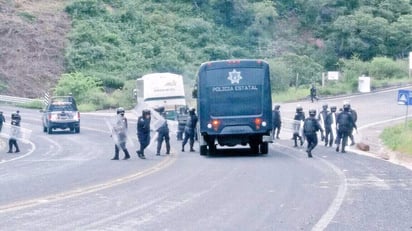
254,147
203,150
264,148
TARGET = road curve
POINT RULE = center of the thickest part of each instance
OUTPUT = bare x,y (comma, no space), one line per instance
69,183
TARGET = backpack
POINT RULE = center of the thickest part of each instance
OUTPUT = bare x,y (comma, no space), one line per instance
309,126
343,121
354,115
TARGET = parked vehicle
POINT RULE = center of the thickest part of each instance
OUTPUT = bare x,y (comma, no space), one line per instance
161,90
61,113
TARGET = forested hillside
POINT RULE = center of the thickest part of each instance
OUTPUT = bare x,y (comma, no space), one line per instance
113,42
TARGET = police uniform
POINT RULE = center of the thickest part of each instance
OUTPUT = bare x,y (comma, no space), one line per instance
276,121
15,121
355,118
330,120
143,132
163,133
345,125
310,128
299,116
190,130
313,93
2,120
322,119
120,131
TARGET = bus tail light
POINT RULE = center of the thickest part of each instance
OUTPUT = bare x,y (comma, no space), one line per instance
214,124
258,123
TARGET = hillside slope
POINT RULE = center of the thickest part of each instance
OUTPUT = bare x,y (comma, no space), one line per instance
32,41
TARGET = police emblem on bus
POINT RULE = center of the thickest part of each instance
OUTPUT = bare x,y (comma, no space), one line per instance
234,76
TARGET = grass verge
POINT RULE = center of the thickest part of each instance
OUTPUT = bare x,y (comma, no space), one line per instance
398,138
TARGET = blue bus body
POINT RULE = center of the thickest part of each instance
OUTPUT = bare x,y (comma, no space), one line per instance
234,105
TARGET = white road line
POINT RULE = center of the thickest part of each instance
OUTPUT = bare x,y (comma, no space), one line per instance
337,202
33,147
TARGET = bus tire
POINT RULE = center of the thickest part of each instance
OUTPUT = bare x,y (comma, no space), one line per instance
203,150
264,148
254,147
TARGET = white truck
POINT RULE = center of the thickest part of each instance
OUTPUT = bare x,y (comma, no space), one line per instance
161,89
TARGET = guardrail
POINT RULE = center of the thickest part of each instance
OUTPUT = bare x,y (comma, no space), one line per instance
13,99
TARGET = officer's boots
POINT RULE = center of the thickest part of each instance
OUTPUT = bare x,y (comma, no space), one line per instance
140,154
126,154
116,155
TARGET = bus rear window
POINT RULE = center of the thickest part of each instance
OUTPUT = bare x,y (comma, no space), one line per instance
234,92
232,102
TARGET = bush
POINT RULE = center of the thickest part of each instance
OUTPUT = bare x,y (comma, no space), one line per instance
398,138
385,68
85,8
37,104
83,88
86,107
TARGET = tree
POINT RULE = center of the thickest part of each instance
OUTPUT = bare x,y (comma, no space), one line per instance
78,85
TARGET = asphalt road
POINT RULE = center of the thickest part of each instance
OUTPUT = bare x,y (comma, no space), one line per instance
67,181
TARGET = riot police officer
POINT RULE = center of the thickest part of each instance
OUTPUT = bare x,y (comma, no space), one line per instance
190,130
2,120
298,118
310,127
355,118
143,132
120,131
163,133
313,93
15,121
322,116
330,124
181,122
276,121
344,124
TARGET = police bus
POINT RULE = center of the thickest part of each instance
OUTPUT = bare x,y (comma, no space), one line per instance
234,105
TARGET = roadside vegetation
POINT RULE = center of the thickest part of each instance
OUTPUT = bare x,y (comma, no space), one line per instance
398,138
114,42
111,43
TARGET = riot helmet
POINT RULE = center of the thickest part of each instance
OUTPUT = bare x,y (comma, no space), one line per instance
333,108
312,112
145,112
120,110
325,106
299,108
346,106
160,109
277,107
16,117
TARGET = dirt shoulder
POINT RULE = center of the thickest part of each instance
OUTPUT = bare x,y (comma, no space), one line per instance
32,41
370,135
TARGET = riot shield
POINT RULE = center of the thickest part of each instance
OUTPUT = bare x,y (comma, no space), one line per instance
16,132
118,129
